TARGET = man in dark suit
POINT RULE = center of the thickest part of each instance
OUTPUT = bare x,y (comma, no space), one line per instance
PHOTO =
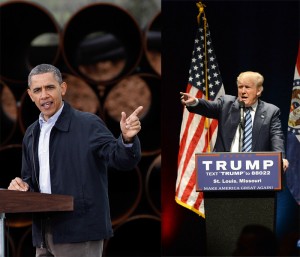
267,133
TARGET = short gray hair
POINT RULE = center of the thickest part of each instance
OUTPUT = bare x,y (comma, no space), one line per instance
45,68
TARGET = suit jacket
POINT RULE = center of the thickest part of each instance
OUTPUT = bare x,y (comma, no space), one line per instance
267,133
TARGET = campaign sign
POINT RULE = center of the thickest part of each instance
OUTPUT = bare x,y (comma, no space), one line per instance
238,171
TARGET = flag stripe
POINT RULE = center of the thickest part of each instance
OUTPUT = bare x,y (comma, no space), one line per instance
194,136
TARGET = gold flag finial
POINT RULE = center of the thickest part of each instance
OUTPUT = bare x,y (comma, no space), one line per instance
207,121
201,10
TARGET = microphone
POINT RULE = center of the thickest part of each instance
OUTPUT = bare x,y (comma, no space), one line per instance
242,109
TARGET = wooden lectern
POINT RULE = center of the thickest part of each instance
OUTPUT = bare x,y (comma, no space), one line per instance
18,202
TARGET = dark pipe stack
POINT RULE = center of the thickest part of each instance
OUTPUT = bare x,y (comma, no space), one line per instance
110,65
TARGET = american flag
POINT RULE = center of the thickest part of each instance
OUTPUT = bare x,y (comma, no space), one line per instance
293,137
198,134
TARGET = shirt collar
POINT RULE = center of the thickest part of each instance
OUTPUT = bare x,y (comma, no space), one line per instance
254,106
52,119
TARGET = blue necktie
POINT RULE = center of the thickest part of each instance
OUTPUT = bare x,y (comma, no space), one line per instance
247,140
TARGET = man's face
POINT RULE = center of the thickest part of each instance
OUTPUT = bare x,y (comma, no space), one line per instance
248,92
46,93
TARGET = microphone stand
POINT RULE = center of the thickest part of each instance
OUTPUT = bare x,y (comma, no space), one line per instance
241,125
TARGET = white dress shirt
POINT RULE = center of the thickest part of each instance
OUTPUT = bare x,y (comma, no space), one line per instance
235,143
43,151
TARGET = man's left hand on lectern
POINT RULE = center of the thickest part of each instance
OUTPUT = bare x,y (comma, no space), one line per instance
18,184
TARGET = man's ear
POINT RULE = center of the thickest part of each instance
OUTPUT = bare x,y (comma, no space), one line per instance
259,91
64,87
29,93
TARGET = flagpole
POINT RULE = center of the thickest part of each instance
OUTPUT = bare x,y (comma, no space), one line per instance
194,136
201,11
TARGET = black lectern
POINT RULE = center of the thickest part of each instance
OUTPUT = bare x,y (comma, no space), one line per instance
239,189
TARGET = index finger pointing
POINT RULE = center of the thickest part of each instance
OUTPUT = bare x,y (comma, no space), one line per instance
138,110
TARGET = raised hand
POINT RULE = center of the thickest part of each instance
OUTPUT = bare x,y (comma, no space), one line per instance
187,99
131,125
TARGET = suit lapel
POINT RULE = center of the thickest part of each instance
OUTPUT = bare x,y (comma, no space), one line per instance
232,123
259,119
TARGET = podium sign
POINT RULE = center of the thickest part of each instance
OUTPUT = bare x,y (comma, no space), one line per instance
238,171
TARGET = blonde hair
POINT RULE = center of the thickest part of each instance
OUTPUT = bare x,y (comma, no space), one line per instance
254,76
